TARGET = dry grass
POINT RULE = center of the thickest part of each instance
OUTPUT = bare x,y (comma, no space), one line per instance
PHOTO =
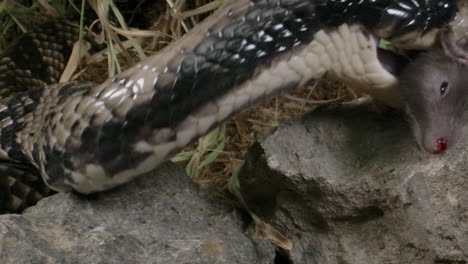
214,158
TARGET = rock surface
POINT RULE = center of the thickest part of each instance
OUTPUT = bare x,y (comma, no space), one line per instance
348,185
159,218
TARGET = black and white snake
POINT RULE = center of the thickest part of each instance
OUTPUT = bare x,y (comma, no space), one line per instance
86,137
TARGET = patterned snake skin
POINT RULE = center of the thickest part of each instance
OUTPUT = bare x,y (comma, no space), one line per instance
86,137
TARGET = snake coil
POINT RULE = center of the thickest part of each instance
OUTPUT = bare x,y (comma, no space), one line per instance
86,137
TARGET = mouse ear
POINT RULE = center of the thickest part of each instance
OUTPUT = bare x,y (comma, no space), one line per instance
453,47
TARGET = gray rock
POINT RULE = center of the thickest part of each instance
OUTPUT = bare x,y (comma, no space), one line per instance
349,185
159,218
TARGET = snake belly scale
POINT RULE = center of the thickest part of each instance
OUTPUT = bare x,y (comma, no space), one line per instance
87,137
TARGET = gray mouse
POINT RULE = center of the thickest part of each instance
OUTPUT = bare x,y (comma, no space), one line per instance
434,89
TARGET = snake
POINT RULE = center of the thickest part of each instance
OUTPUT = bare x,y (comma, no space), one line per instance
85,137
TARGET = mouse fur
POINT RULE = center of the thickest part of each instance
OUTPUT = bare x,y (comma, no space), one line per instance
434,90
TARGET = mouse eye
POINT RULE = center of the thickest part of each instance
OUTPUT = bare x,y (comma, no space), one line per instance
443,87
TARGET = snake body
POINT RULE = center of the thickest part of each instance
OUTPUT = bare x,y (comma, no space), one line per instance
86,137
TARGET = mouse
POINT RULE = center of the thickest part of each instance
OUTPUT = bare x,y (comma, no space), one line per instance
434,91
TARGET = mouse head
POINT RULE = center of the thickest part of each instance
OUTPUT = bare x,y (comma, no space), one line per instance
434,89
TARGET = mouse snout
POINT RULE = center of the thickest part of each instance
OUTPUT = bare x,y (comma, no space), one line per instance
438,146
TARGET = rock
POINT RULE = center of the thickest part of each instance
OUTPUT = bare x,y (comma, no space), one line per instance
349,185
159,218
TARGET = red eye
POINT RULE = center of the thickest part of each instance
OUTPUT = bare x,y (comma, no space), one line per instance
443,87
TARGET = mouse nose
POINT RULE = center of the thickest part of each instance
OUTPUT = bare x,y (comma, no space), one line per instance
441,146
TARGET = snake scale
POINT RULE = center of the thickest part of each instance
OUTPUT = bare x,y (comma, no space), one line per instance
87,137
